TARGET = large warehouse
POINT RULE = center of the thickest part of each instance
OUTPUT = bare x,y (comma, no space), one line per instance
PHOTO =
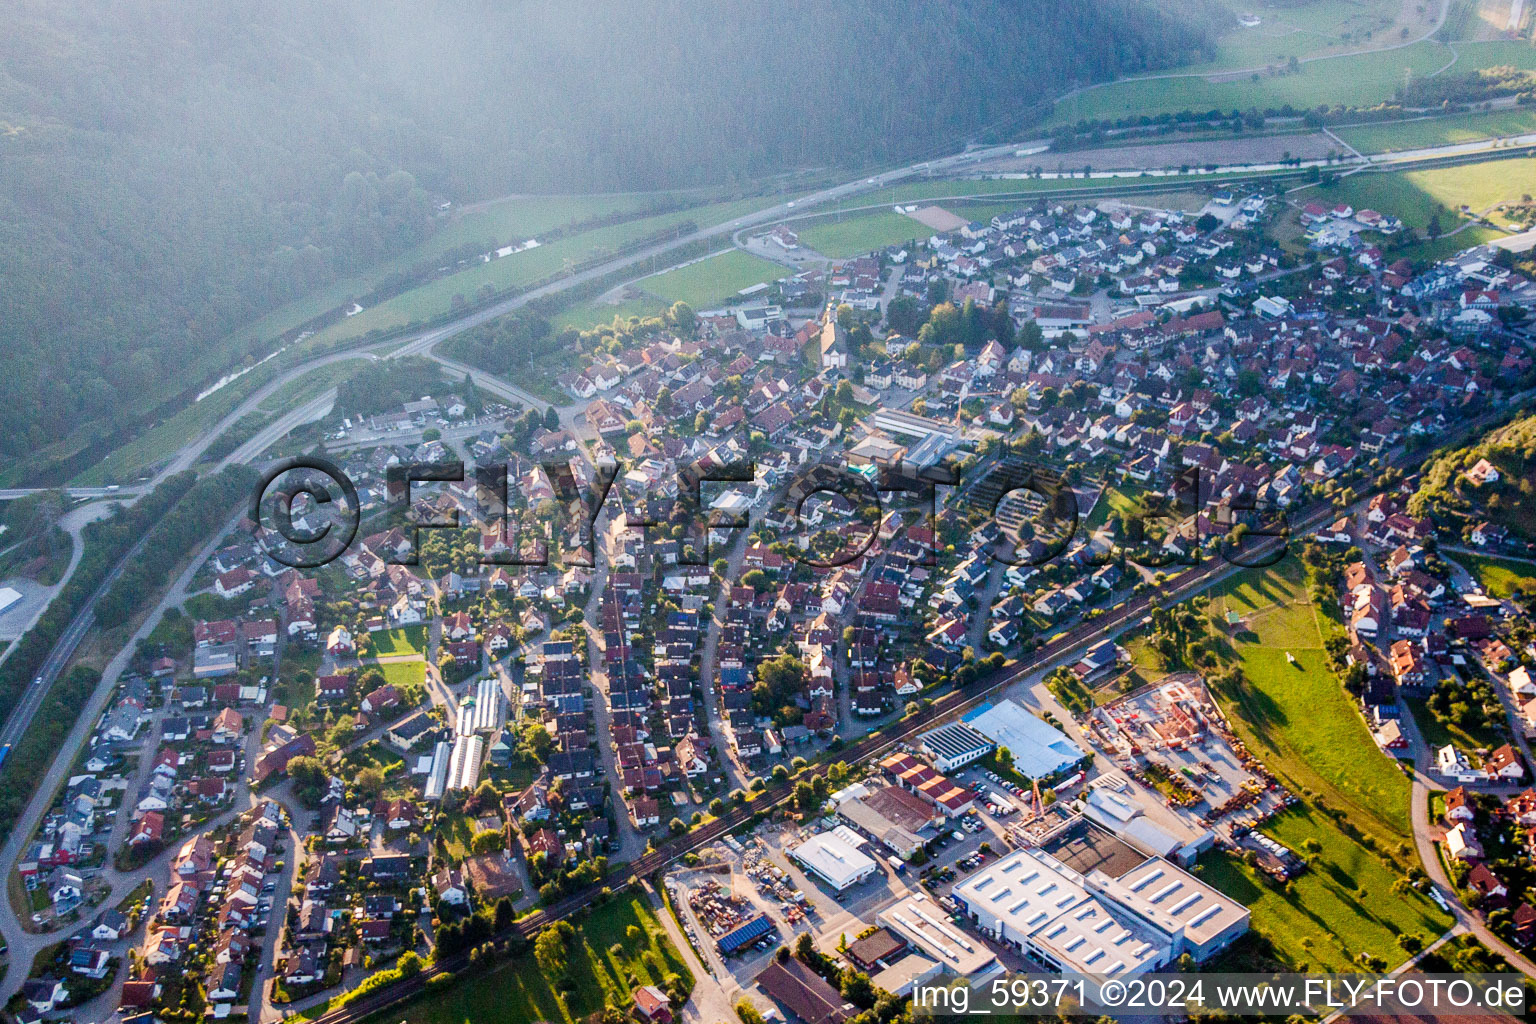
1039,749
954,745
1095,924
834,861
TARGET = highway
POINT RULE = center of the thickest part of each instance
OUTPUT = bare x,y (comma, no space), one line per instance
423,343
32,698
190,453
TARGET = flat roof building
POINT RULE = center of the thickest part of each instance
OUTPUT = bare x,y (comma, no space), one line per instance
904,975
906,424
1200,920
1039,749
834,861
927,928
1098,924
1035,904
954,745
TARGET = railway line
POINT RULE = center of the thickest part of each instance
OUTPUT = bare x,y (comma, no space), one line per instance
861,751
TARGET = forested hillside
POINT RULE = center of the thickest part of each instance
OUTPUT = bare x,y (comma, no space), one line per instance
169,171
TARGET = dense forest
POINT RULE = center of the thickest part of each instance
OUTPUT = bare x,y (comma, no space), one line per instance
169,172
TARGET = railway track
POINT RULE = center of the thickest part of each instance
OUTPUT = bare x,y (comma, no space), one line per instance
956,701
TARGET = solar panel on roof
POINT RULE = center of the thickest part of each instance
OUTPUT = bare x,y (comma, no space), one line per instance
745,935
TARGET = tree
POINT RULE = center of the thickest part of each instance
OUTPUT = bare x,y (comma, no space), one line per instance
487,840
551,418
308,776
683,318
369,784
550,949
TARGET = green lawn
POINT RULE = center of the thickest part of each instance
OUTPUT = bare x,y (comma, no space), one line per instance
1361,80
437,297
1114,499
403,640
1304,29
1297,717
713,280
1438,733
311,385
1325,919
861,233
596,313
400,673
518,991
1500,578
1437,131
163,440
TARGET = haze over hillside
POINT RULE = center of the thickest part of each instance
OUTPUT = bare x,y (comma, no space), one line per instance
168,173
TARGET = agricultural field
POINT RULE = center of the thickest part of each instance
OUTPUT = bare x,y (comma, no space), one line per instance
863,232
1417,196
1296,716
1500,577
1361,80
1342,906
1313,29
1418,133
519,991
1021,189
495,222
520,269
712,280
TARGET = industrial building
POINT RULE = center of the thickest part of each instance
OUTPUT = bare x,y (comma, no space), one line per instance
834,860
1098,924
745,935
927,928
1039,749
954,745
1031,902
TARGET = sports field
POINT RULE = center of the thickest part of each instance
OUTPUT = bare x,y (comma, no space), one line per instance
713,280
862,232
